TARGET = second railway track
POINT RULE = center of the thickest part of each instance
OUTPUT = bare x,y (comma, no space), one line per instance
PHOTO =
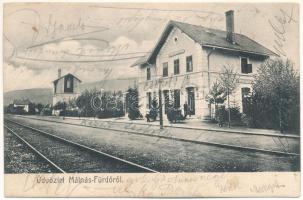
68,156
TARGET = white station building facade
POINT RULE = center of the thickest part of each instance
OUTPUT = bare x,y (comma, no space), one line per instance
188,59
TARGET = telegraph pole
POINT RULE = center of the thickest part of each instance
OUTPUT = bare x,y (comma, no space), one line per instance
228,85
160,105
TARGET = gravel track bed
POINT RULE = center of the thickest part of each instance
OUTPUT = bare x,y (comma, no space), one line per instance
19,158
71,158
273,143
168,155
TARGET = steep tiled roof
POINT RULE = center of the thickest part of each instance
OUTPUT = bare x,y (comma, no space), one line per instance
69,74
215,37
208,37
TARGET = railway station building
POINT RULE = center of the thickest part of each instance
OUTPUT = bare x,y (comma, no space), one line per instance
65,88
187,59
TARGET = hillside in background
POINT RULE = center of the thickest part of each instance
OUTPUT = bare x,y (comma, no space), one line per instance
109,85
37,95
44,95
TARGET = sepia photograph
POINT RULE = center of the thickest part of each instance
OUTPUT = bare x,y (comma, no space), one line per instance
97,95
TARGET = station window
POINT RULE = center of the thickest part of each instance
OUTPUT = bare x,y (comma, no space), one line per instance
68,83
148,73
245,67
149,99
176,98
176,66
165,69
189,64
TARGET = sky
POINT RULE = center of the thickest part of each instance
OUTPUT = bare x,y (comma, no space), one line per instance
101,40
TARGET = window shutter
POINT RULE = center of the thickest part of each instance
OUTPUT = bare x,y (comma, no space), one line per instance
242,68
249,68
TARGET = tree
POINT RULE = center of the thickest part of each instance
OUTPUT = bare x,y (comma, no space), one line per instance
89,102
216,95
72,103
228,80
132,101
153,112
276,95
101,104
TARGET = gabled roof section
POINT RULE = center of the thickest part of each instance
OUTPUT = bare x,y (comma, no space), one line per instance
69,74
208,37
141,60
217,38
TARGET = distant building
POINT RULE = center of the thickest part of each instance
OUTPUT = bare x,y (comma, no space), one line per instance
21,105
188,59
65,87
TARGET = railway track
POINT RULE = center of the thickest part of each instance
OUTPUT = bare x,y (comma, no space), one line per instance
67,156
17,153
221,145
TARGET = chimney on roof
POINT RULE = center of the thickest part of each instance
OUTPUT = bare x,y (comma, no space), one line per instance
59,73
230,35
